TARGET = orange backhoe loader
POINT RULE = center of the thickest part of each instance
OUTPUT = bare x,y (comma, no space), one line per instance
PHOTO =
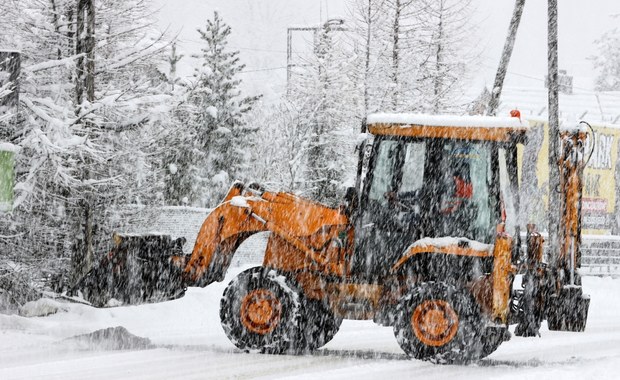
427,242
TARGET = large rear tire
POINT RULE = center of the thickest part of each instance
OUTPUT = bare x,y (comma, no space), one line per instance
442,324
261,310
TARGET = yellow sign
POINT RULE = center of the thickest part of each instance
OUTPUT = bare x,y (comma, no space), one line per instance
599,195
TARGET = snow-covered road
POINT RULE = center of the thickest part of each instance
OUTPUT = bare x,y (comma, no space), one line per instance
189,343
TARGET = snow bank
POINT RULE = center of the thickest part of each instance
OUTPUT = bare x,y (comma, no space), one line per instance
111,338
447,120
41,308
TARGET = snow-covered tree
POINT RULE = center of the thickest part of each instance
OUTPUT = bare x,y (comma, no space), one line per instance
368,18
90,102
327,99
607,61
280,146
182,159
412,54
216,110
401,33
445,43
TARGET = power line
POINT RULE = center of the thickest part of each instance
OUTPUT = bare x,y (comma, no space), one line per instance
607,93
263,69
256,49
238,47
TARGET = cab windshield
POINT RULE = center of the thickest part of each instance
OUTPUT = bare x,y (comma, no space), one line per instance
444,187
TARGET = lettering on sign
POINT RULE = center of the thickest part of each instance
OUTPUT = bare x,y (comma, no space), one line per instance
601,156
595,221
594,205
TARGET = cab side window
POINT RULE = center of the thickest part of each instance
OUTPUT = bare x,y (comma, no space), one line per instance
413,167
383,173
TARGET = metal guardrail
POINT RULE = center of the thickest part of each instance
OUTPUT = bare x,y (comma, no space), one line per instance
600,255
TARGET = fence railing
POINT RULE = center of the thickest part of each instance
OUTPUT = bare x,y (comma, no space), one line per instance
600,255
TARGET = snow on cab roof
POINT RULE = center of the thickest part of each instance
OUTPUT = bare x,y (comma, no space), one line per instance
482,128
449,241
447,120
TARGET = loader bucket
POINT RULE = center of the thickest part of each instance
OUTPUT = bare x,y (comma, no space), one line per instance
568,310
139,269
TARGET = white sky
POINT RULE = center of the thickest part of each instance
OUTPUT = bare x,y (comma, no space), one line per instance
259,32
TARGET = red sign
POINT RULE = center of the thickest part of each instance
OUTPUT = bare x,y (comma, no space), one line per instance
594,205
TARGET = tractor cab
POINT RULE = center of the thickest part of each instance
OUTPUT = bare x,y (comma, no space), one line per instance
433,177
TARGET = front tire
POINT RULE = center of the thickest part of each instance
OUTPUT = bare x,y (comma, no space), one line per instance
261,310
442,324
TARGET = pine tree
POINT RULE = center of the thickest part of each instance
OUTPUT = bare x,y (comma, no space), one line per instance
217,112
179,149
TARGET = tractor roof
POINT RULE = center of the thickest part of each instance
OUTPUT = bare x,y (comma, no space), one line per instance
488,128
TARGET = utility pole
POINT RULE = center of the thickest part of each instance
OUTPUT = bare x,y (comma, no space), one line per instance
554,135
496,91
329,25
367,63
289,52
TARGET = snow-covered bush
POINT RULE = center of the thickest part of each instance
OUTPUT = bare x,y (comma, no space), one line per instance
41,308
16,287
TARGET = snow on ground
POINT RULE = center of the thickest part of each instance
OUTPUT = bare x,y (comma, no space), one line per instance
186,341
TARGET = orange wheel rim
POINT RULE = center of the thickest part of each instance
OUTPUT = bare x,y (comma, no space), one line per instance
260,311
434,322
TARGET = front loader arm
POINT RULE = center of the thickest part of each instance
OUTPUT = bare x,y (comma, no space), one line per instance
310,235
224,229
